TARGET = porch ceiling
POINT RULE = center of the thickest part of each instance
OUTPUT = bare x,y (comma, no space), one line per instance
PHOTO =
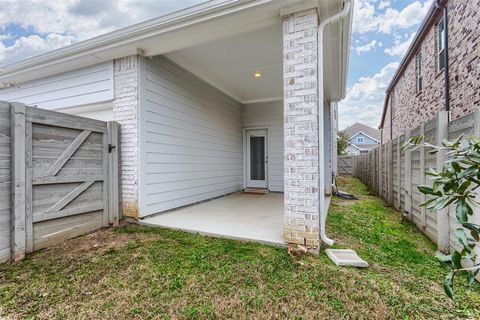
230,64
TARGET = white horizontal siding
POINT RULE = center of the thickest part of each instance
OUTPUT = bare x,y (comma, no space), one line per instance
269,115
93,84
103,112
103,115
193,139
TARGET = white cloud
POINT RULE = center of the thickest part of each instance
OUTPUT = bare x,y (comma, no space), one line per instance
25,47
84,18
2,51
7,36
368,18
384,4
370,46
400,47
74,20
364,101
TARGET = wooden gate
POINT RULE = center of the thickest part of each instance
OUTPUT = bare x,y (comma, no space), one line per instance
64,177
345,165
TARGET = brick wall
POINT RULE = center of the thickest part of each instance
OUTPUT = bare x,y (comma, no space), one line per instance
126,112
411,107
301,225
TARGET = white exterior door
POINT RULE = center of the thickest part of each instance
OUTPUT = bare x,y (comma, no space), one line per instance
257,158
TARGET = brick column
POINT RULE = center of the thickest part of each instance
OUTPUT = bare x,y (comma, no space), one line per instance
126,112
301,218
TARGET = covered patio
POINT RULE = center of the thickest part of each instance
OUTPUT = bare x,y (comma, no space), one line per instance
223,101
241,216
240,113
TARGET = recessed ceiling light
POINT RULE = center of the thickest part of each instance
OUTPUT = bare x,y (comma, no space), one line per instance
257,74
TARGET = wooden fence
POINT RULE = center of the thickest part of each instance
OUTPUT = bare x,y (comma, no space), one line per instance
345,165
58,177
395,175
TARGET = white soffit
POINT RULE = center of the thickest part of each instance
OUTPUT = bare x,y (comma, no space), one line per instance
230,64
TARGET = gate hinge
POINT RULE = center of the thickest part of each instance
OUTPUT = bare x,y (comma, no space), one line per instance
111,147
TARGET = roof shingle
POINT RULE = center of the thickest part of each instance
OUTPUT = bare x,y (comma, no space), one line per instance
360,127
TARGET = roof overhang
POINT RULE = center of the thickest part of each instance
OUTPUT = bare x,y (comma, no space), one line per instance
352,145
199,24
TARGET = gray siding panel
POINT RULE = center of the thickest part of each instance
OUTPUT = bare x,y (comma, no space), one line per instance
93,84
269,115
193,139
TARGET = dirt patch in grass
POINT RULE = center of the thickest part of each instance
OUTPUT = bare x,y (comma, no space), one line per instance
97,242
136,272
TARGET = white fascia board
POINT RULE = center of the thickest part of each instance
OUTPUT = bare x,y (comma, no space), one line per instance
346,41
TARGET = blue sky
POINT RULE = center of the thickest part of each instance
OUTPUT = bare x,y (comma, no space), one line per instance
382,31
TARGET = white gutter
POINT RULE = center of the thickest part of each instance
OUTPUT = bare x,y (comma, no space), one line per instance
321,153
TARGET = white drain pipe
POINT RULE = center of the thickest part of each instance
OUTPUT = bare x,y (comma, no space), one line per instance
321,155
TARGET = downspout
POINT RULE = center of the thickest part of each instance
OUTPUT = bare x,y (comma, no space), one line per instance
442,5
391,116
320,102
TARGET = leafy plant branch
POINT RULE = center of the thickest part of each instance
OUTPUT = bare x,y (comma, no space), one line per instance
455,184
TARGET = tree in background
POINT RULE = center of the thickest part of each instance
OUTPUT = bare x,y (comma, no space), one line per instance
342,143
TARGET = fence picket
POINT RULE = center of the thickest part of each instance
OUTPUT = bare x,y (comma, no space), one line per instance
395,175
18,209
423,211
408,180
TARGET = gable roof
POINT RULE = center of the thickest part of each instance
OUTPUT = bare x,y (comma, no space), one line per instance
358,127
367,147
363,147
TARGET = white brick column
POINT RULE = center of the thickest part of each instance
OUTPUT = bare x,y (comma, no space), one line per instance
126,112
301,219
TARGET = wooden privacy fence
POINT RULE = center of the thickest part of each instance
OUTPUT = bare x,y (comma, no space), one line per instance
345,165
395,175
58,177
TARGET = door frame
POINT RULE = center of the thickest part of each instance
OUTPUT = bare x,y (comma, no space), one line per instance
245,155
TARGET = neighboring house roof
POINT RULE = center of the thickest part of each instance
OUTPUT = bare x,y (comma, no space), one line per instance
352,145
429,20
196,25
363,147
366,147
358,128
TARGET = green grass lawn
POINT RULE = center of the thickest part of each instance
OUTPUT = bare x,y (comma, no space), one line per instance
140,272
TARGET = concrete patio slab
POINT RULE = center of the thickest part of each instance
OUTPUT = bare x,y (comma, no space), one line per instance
241,216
